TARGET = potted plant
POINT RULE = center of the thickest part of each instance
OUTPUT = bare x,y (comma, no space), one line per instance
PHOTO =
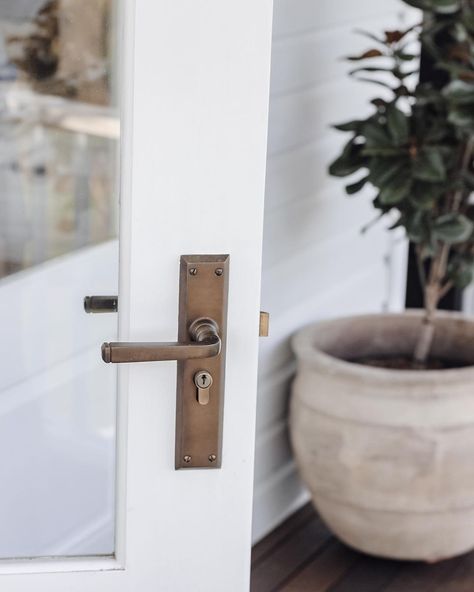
382,411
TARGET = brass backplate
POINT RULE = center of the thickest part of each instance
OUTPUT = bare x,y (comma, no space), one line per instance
204,282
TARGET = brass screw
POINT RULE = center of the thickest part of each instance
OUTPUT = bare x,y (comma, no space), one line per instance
193,271
219,271
187,459
212,458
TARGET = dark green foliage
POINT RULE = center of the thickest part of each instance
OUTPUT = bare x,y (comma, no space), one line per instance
416,149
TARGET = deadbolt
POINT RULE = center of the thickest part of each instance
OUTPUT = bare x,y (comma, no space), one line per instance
203,382
100,304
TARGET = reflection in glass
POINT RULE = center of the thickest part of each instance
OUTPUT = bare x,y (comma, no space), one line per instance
59,131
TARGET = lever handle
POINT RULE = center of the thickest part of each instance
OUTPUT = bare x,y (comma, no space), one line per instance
204,343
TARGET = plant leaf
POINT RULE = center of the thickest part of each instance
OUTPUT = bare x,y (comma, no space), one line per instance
383,171
462,117
371,53
386,151
398,124
355,187
415,227
468,180
370,69
394,194
453,228
459,92
445,6
429,166
349,161
424,195
468,19
349,126
406,57
376,134
461,272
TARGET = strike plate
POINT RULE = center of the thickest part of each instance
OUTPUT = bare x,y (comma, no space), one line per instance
204,281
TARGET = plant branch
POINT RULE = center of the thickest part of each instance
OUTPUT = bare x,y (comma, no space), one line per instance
465,164
420,266
445,289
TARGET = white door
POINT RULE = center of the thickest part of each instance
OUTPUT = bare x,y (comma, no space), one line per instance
90,498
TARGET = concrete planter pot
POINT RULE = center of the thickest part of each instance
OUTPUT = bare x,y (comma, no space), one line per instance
388,455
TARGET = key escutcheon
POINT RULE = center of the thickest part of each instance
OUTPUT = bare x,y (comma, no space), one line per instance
203,382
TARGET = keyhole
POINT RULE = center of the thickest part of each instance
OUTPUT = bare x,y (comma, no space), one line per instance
204,380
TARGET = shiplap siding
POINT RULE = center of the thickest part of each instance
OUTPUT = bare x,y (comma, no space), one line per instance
316,262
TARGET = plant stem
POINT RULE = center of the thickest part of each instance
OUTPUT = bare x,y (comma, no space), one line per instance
425,338
432,293
436,286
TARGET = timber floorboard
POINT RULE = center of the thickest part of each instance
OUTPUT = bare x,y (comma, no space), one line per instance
302,555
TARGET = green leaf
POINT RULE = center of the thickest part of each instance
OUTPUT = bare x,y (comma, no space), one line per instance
468,179
453,228
370,69
415,227
458,70
349,162
383,171
462,117
398,124
429,166
388,151
395,193
355,187
459,92
424,195
468,19
461,272
376,135
406,57
445,6
343,168
426,95
349,126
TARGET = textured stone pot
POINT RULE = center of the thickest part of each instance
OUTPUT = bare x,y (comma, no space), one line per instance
388,455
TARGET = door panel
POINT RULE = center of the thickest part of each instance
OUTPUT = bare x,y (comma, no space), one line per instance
195,104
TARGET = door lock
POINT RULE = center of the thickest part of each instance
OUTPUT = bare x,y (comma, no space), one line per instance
203,382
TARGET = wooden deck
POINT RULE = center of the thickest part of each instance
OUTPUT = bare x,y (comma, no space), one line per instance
302,556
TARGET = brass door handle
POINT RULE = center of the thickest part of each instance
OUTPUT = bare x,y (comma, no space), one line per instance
200,350
204,342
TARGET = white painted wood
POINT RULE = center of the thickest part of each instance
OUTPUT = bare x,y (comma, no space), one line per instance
52,421
195,124
325,14
316,262
61,285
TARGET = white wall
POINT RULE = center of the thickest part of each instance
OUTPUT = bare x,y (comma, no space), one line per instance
316,263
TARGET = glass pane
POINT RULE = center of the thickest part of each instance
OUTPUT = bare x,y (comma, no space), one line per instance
59,132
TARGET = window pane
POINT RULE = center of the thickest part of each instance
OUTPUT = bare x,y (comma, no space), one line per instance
59,131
